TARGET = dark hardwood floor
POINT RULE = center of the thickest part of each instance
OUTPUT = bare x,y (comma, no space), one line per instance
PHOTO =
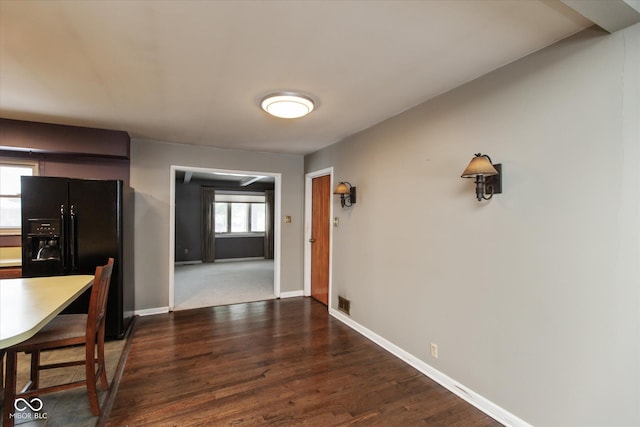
273,363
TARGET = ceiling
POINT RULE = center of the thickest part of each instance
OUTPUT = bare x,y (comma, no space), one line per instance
241,180
194,71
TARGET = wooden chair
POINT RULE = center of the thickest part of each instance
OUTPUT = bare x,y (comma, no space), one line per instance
2,375
65,330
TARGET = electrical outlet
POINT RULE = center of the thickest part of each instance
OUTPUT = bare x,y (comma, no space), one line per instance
434,350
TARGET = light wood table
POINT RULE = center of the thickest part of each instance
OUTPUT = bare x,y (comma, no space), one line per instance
27,305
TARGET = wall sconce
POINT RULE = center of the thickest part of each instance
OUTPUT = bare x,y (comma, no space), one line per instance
488,176
347,193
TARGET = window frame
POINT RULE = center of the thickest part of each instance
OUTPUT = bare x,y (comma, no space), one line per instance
16,162
248,233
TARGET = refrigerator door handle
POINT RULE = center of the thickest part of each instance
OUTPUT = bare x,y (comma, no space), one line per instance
63,238
72,238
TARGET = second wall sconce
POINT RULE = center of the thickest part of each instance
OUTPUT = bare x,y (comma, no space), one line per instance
347,193
488,176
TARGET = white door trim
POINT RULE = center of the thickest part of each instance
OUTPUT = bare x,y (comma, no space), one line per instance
172,221
308,178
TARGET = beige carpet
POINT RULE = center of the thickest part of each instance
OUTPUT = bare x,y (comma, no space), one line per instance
222,283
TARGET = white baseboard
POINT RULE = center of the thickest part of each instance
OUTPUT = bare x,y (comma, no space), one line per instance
151,311
187,262
496,412
291,294
251,258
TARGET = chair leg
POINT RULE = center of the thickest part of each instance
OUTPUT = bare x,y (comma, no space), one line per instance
90,354
101,363
10,389
35,370
2,370
2,375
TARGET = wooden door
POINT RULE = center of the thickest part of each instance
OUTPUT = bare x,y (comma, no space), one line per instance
320,228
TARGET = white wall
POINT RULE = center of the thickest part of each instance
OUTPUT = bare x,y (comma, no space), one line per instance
533,297
150,177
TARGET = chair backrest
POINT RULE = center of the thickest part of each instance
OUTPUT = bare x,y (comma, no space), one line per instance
99,294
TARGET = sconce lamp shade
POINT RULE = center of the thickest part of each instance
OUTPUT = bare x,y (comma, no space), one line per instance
347,193
341,189
479,165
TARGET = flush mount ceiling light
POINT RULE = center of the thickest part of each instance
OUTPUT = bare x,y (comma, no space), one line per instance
287,105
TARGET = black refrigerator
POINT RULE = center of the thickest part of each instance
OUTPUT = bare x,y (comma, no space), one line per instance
70,226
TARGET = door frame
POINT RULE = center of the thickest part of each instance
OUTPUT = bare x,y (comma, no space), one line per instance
172,221
308,178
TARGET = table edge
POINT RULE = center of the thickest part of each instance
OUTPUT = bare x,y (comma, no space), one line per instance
16,339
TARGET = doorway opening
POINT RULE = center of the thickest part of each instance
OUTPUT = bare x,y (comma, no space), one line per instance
224,236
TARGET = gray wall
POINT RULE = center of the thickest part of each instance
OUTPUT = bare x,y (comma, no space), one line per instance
533,297
150,177
239,247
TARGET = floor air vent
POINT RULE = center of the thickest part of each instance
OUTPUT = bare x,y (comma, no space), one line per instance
344,305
